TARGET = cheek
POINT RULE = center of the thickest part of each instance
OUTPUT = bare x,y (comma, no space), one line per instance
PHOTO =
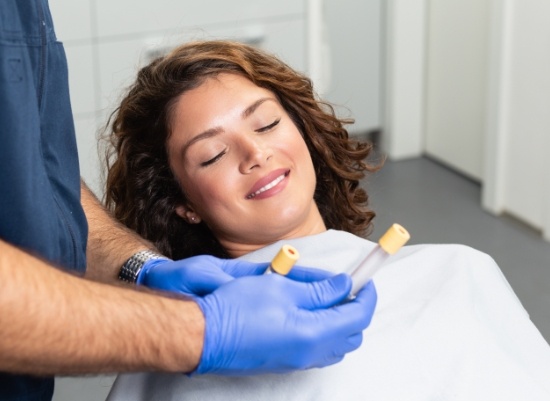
307,163
302,154
205,190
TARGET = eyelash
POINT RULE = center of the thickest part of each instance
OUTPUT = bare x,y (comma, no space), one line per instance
269,127
214,159
260,131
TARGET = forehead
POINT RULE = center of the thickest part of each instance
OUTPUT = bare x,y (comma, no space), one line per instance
215,102
223,90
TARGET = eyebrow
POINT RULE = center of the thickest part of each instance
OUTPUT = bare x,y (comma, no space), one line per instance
218,130
252,108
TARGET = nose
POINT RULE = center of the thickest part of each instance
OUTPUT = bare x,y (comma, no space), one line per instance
255,153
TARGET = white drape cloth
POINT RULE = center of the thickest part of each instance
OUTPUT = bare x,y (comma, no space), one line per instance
447,327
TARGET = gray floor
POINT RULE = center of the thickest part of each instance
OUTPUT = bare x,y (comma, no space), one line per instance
437,206
93,388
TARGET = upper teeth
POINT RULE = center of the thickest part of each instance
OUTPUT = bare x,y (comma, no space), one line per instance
268,186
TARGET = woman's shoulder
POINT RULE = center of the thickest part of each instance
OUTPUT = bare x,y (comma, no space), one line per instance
442,252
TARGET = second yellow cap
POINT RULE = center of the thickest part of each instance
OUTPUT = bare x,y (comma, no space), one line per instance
394,239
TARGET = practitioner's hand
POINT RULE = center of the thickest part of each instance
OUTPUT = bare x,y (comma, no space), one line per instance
270,324
308,274
196,276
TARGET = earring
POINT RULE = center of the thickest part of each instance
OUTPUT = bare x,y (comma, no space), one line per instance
193,219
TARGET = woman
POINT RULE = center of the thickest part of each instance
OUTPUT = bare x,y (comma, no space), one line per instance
146,180
222,149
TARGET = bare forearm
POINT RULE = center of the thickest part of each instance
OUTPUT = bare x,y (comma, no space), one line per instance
110,243
55,323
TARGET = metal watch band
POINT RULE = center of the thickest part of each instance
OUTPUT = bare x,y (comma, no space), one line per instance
131,268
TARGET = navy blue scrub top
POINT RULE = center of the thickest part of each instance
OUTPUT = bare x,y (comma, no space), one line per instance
40,210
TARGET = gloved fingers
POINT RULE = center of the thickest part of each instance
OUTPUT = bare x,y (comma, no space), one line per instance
199,275
207,282
349,319
329,361
352,343
147,268
240,268
308,327
326,293
339,350
358,312
367,296
308,274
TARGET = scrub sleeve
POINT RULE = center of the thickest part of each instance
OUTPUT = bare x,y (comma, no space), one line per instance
40,209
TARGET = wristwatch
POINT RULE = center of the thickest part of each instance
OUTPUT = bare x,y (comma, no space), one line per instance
131,268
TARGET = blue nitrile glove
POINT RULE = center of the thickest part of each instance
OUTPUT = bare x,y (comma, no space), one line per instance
270,324
195,276
308,274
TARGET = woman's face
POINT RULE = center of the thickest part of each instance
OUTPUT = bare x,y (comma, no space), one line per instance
242,164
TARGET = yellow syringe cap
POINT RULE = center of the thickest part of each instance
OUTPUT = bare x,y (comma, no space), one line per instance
285,259
394,239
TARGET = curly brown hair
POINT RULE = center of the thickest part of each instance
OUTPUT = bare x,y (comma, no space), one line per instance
142,191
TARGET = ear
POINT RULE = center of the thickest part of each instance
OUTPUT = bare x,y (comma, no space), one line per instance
188,215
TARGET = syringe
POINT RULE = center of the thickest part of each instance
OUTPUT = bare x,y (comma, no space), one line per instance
388,244
284,260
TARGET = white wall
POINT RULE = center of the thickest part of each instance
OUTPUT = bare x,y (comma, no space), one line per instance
436,81
404,70
519,133
456,83
354,38
482,95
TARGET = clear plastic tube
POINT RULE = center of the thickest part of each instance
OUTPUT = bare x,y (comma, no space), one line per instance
367,268
389,243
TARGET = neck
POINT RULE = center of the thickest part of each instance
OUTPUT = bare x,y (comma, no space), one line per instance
314,225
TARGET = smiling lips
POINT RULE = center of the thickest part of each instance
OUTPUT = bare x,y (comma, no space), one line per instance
273,180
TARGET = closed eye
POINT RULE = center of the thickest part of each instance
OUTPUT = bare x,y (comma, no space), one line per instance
269,127
214,159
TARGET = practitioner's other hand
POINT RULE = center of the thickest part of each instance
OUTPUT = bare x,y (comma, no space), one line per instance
196,276
270,324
